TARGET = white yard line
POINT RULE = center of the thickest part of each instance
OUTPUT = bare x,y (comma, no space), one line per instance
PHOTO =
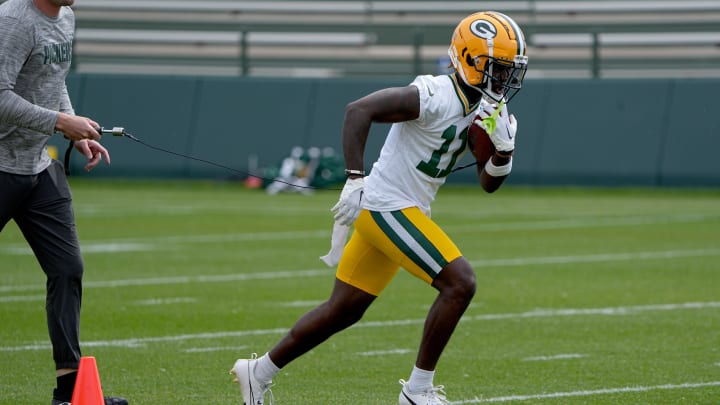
602,257
585,393
591,222
166,301
90,248
220,278
386,352
540,313
264,275
556,357
22,298
172,242
213,349
169,242
298,304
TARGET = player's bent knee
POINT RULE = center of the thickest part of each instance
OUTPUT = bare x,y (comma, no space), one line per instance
465,291
457,279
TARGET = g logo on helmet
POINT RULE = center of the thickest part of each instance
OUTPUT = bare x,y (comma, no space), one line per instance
483,29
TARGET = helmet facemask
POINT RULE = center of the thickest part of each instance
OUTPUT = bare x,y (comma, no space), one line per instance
500,79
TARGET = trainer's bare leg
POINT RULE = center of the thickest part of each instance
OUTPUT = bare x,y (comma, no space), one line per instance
346,306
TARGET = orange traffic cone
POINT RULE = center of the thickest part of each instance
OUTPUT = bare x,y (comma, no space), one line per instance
87,385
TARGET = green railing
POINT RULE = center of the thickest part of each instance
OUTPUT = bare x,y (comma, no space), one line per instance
567,39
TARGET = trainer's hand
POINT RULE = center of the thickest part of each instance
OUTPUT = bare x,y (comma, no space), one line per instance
503,135
93,151
76,128
349,206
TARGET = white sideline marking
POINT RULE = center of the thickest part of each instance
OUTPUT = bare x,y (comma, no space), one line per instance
91,248
593,222
166,301
384,352
555,357
162,301
585,393
631,310
603,257
213,349
117,247
299,304
527,261
165,242
540,313
220,278
22,298
142,342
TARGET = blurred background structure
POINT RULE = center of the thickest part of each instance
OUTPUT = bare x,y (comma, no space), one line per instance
617,92
567,38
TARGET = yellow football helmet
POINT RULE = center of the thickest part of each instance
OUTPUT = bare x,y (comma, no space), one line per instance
488,51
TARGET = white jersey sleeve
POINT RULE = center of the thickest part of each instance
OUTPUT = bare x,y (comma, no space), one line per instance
418,155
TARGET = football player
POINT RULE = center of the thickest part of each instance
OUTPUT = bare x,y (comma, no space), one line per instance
390,206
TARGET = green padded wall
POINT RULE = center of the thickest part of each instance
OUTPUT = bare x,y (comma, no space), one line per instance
331,98
600,130
241,118
692,134
588,132
157,110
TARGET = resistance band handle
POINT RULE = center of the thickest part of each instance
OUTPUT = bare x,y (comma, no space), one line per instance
115,131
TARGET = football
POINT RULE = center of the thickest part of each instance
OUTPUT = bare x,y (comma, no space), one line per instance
479,143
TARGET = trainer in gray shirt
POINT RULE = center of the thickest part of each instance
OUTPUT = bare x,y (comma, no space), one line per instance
35,56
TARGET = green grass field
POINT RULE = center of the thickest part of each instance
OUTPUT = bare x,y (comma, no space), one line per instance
585,296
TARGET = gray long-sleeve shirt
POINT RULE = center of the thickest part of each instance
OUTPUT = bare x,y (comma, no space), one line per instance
35,56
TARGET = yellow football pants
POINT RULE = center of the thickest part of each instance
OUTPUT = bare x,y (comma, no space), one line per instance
385,241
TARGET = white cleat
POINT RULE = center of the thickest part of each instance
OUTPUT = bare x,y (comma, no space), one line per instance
433,396
252,391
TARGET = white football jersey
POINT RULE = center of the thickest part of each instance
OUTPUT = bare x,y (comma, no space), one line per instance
418,155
